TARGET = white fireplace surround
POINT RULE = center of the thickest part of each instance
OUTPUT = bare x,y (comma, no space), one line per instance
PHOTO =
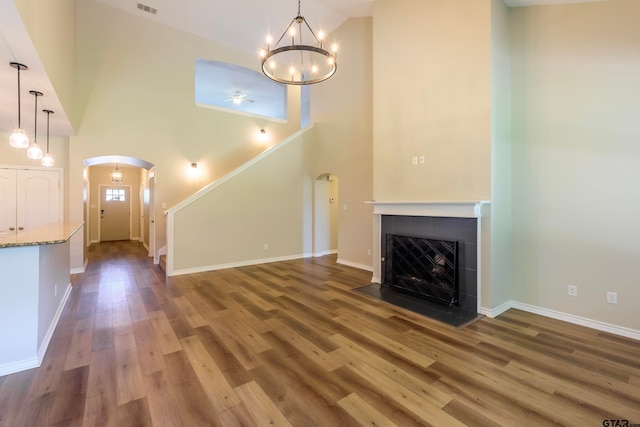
479,209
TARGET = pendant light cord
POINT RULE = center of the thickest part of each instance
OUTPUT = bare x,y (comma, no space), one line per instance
48,115
19,126
35,121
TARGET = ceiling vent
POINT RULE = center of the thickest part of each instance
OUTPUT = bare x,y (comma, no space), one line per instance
145,8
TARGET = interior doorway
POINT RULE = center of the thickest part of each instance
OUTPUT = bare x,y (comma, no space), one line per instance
115,213
325,214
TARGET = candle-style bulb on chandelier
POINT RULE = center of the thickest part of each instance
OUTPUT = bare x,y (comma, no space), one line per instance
302,61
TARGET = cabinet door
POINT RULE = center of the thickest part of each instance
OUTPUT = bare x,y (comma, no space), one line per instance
7,202
38,198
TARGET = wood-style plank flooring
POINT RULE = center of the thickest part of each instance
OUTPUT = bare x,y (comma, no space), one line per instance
290,344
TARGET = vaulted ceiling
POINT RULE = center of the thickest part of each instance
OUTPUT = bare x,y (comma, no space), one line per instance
242,24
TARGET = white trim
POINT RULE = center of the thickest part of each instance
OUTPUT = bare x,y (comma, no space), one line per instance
495,312
235,264
455,209
564,317
52,327
355,265
241,112
324,253
80,270
21,365
375,279
578,320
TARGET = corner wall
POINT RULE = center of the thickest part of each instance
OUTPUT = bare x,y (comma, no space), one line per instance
342,112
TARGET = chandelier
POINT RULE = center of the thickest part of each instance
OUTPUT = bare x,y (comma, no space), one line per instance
304,60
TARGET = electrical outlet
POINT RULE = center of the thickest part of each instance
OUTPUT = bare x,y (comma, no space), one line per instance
573,290
368,251
612,297
422,160
414,160
266,246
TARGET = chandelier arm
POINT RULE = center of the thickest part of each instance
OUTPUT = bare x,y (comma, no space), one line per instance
311,31
285,33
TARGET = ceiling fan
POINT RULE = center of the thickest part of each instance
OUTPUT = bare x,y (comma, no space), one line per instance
239,98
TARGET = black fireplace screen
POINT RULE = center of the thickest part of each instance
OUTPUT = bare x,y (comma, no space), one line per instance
422,266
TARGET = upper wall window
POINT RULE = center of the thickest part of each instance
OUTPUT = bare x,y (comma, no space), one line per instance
239,90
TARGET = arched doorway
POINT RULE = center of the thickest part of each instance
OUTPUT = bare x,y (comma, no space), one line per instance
325,228
141,192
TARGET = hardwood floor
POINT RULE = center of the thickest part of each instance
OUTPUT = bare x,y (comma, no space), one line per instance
290,344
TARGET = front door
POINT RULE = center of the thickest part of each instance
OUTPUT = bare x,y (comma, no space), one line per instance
115,204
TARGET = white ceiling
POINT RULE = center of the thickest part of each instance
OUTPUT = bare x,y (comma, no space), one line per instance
243,24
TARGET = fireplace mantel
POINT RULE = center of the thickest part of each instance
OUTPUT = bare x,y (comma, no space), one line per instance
454,209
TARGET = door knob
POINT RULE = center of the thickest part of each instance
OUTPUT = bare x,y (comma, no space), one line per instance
12,228
20,228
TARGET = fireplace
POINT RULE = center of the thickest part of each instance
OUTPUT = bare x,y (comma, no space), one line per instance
424,267
463,231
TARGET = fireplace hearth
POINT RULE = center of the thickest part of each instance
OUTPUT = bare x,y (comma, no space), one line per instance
421,266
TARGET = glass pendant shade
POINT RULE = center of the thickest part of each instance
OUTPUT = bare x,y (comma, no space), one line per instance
19,139
34,152
47,160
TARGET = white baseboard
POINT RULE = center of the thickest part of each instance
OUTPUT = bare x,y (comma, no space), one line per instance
52,327
375,279
80,270
19,366
355,265
235,264
495,312
578,320
324,253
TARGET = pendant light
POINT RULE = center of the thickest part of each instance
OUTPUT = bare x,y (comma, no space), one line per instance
47,159
19,138
35,152
117,175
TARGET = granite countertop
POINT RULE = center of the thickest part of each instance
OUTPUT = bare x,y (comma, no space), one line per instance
50,234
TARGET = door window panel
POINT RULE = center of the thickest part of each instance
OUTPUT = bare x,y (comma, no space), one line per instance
114,195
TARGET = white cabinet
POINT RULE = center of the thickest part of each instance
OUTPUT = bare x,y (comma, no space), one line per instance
29,198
